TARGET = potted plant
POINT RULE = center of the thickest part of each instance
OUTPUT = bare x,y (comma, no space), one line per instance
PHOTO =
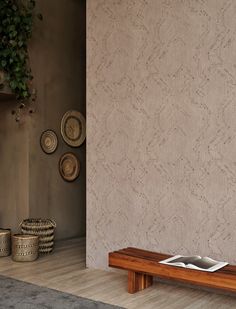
16,24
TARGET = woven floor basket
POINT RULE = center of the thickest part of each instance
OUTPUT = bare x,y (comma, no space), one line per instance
25,248
44,228
5,242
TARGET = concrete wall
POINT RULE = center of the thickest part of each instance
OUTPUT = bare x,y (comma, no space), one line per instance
161,127
57,56
58,63
14,163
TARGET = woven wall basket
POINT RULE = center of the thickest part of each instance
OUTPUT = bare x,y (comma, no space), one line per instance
44,228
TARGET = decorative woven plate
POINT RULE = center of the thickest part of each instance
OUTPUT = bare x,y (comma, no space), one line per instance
73,128
49,141
69,166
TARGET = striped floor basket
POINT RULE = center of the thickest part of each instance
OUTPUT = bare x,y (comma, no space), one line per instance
44,228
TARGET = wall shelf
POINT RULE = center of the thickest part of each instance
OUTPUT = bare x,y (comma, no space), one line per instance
6,94
5,91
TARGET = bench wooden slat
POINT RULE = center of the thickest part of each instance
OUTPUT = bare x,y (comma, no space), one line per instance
147,263
150,255
144,253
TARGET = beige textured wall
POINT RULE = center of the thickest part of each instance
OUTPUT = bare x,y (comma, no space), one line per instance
31,184
161,134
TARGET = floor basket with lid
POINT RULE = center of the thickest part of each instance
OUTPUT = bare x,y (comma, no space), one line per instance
25,248
44,228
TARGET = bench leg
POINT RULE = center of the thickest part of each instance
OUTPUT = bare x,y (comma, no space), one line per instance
138,281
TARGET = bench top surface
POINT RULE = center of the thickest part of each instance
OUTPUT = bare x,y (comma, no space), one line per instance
155,257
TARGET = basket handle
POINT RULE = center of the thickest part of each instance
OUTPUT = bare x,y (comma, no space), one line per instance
53,223
21,223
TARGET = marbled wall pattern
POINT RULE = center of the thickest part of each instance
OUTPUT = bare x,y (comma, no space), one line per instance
161,127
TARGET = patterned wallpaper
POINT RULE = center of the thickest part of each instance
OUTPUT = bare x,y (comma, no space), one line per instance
161,127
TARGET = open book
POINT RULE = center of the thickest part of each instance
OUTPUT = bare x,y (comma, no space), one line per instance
194,262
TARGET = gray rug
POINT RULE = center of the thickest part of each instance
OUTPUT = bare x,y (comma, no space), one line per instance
21,295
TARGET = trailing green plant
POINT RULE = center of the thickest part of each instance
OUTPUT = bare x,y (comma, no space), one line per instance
16,23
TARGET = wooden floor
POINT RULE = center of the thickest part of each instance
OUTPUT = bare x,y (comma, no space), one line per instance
64,270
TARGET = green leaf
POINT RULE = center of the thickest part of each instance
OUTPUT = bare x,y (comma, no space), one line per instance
13,34
21,56
17,68
16,20
13,43
6,52
3,63
25,94
13,85
11,28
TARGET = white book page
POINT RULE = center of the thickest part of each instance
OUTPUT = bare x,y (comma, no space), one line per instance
179,260
213,265
199,263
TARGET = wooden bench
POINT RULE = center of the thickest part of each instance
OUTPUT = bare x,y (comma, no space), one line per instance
142,265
